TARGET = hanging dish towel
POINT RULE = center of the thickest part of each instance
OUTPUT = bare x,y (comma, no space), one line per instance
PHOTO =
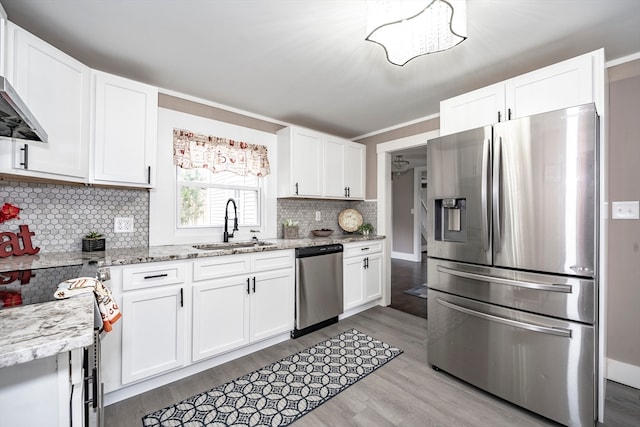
109,310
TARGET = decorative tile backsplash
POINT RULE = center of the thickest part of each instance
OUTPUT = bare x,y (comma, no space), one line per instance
304,211
60,215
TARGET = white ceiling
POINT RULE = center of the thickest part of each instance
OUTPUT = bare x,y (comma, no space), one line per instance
306,61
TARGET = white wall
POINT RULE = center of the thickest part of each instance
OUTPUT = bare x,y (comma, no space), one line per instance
163,207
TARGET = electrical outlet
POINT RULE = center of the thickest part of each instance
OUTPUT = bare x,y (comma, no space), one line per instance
123,225
318,216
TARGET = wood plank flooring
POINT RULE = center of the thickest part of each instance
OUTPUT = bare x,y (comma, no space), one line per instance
406,392
405,275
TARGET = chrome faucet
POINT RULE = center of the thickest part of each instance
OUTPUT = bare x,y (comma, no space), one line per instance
226,235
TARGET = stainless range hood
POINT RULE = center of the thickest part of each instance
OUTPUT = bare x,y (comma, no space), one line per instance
16,121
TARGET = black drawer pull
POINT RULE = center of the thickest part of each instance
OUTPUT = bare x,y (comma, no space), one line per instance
155,276
248,287
254,285
364,249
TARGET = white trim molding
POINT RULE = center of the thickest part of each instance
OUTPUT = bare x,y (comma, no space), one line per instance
623,373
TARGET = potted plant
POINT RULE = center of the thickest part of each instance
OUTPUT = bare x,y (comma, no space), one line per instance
290,229
365,228
93,241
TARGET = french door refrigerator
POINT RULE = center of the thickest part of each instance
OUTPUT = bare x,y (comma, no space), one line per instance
512,256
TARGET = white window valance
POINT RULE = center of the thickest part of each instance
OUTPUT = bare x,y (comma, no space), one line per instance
193,150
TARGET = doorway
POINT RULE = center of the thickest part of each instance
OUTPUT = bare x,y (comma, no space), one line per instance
408,231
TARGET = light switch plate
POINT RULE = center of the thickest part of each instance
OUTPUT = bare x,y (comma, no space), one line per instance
625,210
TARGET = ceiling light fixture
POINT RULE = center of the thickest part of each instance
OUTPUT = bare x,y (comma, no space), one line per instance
407,29
399,164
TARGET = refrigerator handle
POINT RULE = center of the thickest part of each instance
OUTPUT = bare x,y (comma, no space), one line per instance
561,332
503,281
497,172
483,195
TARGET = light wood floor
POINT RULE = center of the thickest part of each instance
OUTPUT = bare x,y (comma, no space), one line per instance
405,392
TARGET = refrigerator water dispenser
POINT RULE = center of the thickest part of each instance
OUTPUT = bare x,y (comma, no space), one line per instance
451,224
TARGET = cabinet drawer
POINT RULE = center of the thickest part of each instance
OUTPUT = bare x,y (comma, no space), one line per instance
152,275
362,248
272,260
221,266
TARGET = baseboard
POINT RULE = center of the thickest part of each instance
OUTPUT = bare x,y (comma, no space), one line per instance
406,257
623,373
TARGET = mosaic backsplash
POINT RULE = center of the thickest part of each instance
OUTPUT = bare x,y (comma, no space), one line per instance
304,211
60,215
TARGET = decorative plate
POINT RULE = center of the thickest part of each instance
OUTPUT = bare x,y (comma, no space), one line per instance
349,220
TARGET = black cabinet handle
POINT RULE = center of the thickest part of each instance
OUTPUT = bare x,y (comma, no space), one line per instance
296,188
148,174
248,289
499,116
509,114
254,284
155,276
181,297
364,249
348,191
25,156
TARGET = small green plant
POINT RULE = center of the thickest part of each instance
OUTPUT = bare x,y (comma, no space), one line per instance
365,228
290,223
93,235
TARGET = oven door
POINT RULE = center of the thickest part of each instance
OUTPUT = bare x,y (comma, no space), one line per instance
541,363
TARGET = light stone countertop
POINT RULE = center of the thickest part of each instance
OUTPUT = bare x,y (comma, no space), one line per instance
138,255
41,330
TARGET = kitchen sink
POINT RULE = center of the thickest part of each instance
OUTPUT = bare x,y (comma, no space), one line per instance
234,245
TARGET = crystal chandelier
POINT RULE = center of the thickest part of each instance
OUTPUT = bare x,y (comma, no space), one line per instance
407,29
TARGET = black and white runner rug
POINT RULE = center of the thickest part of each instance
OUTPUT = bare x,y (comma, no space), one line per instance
282,392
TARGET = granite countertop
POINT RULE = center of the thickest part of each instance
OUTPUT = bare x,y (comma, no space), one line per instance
125,256
41,330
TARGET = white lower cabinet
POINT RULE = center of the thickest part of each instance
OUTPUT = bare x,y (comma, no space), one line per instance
153,318
43,392
153,332
253,302
177,314
362,273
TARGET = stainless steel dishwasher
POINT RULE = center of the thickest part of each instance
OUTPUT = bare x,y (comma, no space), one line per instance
319,299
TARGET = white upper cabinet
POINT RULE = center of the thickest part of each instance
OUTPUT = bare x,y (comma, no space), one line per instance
561,85
300,160
317,165
354,169
124,131
472,109
56,89
333,168
565,84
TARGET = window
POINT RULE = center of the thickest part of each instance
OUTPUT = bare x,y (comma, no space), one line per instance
203,196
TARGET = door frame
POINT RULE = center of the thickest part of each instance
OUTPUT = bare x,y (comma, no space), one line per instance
385,208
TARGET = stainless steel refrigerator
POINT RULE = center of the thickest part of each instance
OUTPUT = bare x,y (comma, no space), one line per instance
512,260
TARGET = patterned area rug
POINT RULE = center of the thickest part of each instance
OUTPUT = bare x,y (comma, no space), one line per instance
418,291
282,392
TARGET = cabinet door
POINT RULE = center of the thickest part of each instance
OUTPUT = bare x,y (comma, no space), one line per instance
557,86
153,330
353,280
333,168
55,88
220,316
125,131
354,169
373,277
306,162
471,110
272,303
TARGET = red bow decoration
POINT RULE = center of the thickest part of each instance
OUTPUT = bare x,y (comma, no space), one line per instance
9,211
